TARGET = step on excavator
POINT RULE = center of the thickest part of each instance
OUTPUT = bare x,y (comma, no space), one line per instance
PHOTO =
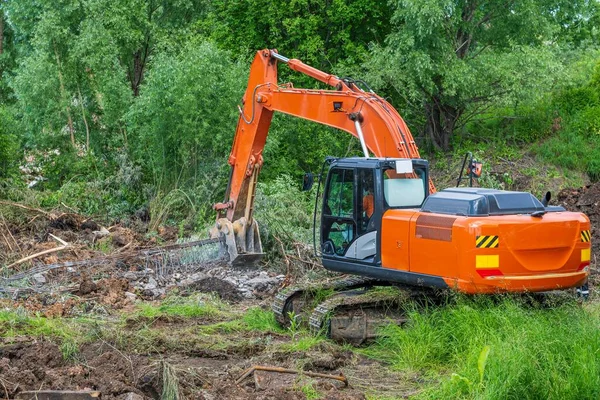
382,222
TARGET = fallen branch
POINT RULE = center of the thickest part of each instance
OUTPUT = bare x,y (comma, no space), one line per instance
59,240
102,260
251,370
36,255
10,203
314,264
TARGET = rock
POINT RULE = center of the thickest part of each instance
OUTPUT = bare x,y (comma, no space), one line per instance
153,293
151,285
39,279
132,396
130,296
261,283
130,276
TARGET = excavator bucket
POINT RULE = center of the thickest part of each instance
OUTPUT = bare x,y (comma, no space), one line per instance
241,244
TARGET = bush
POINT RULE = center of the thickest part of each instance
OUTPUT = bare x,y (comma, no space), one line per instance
284,212
9,145
534,352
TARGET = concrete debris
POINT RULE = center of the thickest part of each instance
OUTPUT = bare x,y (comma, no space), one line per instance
132,396
39,279
130,296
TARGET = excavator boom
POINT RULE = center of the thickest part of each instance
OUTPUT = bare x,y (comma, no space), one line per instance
348,108
381,130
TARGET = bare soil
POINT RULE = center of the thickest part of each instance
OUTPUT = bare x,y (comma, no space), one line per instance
31,365
203,366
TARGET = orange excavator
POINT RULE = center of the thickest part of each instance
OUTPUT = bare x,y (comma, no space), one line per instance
382,221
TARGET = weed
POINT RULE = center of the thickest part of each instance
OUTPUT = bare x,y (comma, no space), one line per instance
232,326
69,350
310,391
257,319
170,382
162,205
191,307
303,343
295,323
20,323
533,352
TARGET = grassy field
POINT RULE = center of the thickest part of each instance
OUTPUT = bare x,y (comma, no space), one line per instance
470,347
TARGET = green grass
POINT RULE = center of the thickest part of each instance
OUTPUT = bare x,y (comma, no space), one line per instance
254,319
20,323
184,307
534,352
310,391
303,342
69,333
257,319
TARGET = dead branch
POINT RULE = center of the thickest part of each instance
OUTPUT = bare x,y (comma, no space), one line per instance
10,203
314,264
59,240
251,370
285,257
36,255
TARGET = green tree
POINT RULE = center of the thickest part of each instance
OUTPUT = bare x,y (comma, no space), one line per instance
185,116
321,33
449,60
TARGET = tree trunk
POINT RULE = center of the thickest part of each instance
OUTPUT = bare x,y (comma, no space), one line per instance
441,120
137,72
65,98
1,31
87,127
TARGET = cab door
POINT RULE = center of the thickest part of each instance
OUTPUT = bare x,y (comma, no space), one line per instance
347,222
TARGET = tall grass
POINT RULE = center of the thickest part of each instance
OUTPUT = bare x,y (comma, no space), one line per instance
534,352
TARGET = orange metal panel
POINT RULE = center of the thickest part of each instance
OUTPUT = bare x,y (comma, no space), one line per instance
395,240
532,254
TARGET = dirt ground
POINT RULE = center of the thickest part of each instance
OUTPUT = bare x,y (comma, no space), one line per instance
31,366
179,353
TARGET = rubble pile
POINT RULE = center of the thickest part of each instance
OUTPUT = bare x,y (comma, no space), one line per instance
586,200
65,259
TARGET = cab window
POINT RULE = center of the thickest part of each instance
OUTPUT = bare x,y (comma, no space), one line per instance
404,190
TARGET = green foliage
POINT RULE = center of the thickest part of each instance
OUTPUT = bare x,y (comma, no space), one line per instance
190,307
184,117
320,32
455,58
257,319
577,143
8,142
534,352
285,214
132,103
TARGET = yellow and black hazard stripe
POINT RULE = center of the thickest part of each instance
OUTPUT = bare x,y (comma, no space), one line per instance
487,242
586,236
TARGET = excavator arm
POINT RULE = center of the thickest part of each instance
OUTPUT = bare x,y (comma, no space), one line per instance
363,114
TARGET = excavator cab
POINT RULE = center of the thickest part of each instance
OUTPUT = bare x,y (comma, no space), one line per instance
357,193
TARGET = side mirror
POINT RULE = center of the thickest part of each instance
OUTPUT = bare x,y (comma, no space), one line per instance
546,199
308,181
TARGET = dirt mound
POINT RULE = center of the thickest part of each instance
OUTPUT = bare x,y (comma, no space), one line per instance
587,201
31,366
